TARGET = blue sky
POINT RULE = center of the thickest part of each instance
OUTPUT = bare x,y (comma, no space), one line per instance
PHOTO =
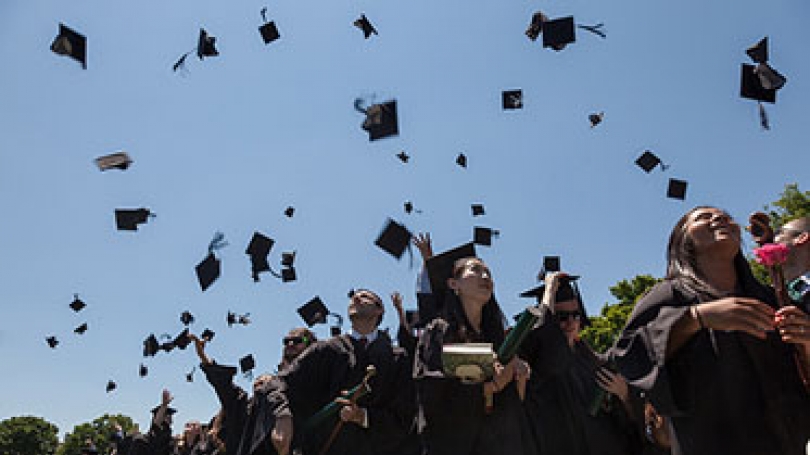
229,144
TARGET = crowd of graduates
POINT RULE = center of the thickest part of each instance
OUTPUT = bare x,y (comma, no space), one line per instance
710,361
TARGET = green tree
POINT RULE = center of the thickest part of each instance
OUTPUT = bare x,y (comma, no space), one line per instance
611,320
28,435
98,431
792,204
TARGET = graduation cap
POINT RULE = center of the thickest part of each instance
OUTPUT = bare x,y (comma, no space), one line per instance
759,52
550,264
288,274
483,235
536,25
288,258
258,249
676,189
169,410
80,329
143,371
206,47
150,346
403,156
111,385
596,119
71,44
394,239
512,99
233,318
207,335
408,207
182,340
760,82
461,160
365,25
567,290
186,318
117,160
247,363
477,209
440,267
269,31
209,269
190,375
289,211
129,219
648,161
77,305
381,119
52,342
314,312
557,33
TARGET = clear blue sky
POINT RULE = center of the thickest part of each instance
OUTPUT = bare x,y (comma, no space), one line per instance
239,137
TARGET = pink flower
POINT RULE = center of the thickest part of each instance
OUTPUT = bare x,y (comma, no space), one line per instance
771,254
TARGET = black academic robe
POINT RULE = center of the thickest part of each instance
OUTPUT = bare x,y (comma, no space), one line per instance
319,375
453,419
234,401
561,392
725,392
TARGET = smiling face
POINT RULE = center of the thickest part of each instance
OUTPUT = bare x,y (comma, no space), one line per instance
569,317
711,229
365,305
472,280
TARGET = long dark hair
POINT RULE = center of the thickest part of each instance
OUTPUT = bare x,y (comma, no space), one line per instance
493,321
682,264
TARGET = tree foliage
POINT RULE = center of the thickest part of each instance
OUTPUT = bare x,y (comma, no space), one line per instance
611,320
98,432
28,435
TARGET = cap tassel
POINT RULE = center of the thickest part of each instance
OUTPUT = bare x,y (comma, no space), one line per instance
595,29
264,14
217,243
763,118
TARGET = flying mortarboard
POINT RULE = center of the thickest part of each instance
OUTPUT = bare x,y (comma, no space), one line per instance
759,52
143,371
483,235
208,271
187,318
394,239
314,312
289,211
111,385
676,189
403,156
596,119
557,33
118,160
269,31
182,340
129,219
477,209
247,363
760,82
461,160
71,43
536,25
440,267
648,161
550,264
80,329
288,274
207,335
150,346
77,305
288,258
52,342
365,25
258,249
381,119
408,207
206,47
512,99
190,375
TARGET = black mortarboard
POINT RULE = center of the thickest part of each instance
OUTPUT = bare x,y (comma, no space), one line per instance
150,346
186,318
258,249
111,385
403,157
247,363
512,99
118,160
206,45
289,211
129,219
269,32
182,340
676,189
550,264
408,206
71,43
596,119
314,312
648,160
365,25
394,238
440,266
80,329
169,410
207,335
557,33
567,290
483,235
381,120
461,160
477,209
52,342
77,305
751,85
143,371
759,52
536,25
288,274
288,259
208,271
230,319
190,375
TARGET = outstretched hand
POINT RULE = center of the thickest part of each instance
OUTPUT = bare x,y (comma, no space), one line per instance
423,243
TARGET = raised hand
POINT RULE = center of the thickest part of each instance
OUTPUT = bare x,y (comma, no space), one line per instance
423,243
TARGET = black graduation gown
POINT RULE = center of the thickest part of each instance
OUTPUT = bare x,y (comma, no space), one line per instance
234,402
560,392
452,415
319,375
725,392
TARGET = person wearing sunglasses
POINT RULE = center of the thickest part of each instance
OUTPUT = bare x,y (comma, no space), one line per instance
795,234
295,343
577,404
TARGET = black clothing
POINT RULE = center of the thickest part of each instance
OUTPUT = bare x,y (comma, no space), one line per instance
329,367
561,392
452,415
234,402
725,392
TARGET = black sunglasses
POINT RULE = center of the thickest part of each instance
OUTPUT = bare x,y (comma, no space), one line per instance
293,340
564,315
